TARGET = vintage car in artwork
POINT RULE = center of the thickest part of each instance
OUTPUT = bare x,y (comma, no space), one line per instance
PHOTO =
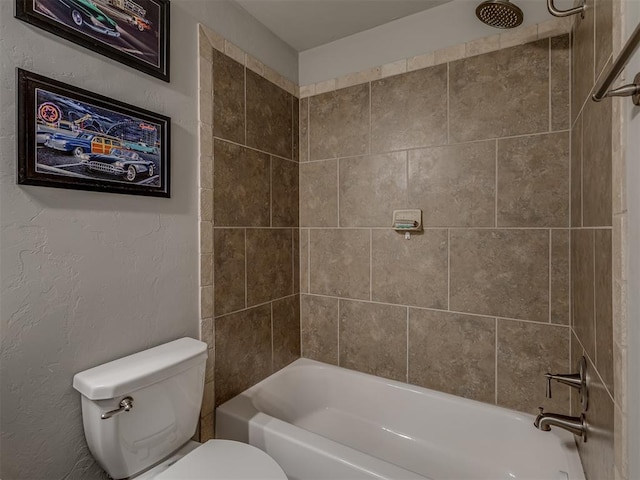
83,143
141,147
140,23
119,162
85,12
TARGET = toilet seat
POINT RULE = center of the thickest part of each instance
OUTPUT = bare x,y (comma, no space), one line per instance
224,460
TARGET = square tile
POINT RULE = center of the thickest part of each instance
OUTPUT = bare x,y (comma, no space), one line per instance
319,328
284,193
269,265
228,98
286,331
229,270
319,194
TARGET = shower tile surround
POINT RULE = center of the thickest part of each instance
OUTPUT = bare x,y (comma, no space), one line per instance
366,303
482,295
250,306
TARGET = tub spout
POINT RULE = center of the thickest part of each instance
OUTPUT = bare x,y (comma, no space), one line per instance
575,425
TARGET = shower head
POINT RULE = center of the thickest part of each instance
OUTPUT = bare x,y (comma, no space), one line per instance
499,14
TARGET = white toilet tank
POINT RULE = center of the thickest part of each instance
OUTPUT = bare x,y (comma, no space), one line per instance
165,384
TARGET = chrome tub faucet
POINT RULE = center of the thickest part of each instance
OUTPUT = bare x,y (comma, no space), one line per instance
575,425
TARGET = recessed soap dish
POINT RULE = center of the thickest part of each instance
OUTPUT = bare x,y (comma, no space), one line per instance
407,220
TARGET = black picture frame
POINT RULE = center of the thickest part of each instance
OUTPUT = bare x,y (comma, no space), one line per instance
132,32
72,138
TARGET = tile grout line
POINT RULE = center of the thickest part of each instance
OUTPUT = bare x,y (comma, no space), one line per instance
338,332
595,314
448,109
550,256
581,170
246,293
293,261
448,269
495,201
407,366
483,315
426,227
423,147
550,90
257,305
495,360
309,260
338,192
370,264
370,120
272,346
270,191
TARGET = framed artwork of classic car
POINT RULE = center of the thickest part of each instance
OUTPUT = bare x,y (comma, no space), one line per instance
72,138
133,32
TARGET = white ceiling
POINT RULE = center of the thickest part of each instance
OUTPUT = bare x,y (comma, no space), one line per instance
304,24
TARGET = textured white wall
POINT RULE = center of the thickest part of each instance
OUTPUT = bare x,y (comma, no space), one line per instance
87,277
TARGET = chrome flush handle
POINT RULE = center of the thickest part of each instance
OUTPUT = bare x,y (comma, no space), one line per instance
126,404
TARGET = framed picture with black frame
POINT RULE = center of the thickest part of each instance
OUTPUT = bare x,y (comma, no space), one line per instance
133,32
73,138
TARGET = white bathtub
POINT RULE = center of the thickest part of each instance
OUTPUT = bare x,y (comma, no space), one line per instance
324,422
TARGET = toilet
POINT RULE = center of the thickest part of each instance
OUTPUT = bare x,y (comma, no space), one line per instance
140,412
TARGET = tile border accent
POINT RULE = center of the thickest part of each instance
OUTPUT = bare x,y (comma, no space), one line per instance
231,50
550,28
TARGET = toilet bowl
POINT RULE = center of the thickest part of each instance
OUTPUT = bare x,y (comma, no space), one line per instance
139,413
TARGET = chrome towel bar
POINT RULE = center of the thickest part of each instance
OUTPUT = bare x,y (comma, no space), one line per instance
629,90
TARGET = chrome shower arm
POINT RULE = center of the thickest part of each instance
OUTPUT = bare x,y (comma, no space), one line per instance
565,13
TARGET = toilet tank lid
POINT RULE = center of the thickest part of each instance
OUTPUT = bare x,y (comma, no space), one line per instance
127,374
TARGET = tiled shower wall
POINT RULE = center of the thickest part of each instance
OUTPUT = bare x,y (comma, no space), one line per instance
592,206
249,223
478,305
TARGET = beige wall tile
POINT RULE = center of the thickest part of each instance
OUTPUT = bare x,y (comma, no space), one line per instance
304,260
307,90
482,45
229,270
206,170
393,68
234,52
241,186
454,185
243,351
207,428
340,263
560,276
519,36
357,78
339,123
500,93
326,86
582,58
319,194
319,328
206,205
604,306
555,26
526,351
206,270
582,281
206,237
255,65
421,61
596,168
304,129
269,261
206,331
228,98
371,188
576,173
207,400
269,113
286,331
206,302
215,40
413,272
295,122
449,54
409,110
603,34
373,339
284,193
453,353
296,260
597,452
500,272
205,50
533,181
560,82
